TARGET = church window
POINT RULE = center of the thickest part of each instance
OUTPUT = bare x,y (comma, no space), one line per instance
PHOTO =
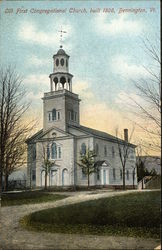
58,115
54,151
57,62
69,115
127,174
48,152
84,176
33,175
72,115
66,63
49,116
83,149
114,174
59,152
54,114
96,149
113,152
62,62
121,174
105,151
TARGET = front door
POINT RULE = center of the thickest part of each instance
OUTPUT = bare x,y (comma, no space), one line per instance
54,178
65,180
104,176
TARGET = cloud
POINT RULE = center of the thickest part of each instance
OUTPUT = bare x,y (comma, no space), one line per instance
128,99
118,26
84,90
34,97
120,65
36,61
103,117
31,33
38,80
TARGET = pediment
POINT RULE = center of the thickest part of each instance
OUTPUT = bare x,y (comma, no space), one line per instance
54,133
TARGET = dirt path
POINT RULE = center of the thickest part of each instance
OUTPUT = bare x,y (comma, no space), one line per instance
13,236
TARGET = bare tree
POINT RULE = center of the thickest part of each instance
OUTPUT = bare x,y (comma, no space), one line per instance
148,105
124,148
13,130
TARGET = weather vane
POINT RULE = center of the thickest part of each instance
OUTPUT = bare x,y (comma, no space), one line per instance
61,35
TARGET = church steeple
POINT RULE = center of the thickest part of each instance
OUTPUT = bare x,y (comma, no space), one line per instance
60,105
61,78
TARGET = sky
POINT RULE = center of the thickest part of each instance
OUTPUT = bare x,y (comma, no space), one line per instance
106,53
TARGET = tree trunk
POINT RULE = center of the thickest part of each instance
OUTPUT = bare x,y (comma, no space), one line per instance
6,182
88,180
123,177
133,178
45,186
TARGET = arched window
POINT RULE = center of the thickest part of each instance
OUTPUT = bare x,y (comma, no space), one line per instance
55,80
105,151
54,151
62,62
54,114
62,80
58,115
96,149
57,62
127,174
48,152
72,115
83,149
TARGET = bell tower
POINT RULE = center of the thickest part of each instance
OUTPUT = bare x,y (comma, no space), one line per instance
60,105
61,78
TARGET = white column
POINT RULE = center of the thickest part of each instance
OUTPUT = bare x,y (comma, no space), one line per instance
51,83
70,86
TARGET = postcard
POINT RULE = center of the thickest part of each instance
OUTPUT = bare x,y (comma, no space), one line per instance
80,108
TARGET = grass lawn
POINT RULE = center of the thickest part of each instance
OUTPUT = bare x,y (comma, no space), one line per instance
136,214
29,197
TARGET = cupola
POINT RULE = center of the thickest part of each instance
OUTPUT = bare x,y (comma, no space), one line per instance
61,78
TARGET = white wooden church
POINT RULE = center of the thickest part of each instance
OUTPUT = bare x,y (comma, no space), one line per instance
62,139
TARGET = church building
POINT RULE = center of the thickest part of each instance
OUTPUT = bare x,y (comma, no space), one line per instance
63,139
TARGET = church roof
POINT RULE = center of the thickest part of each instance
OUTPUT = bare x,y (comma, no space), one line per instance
99,163
87,130
35,136
101,134
61,52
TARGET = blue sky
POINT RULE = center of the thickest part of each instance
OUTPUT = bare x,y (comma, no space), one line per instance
106,52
